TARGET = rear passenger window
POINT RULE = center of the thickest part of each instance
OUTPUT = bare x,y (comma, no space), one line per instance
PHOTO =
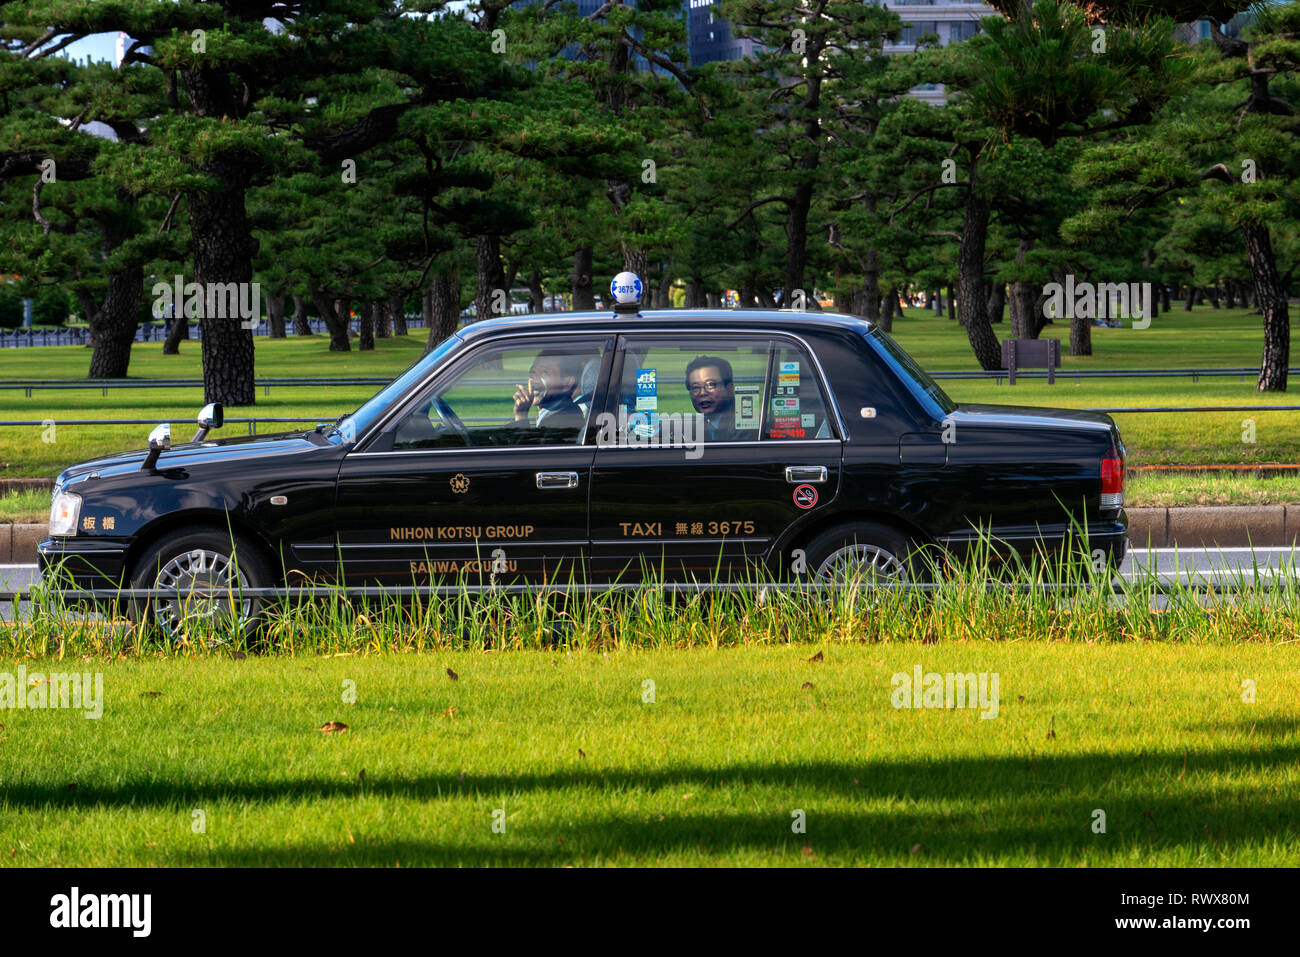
710,389
796,408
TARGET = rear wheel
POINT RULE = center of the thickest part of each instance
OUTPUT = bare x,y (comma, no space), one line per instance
201,575
864,552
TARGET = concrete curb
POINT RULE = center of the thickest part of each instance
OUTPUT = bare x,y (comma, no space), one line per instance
1208,526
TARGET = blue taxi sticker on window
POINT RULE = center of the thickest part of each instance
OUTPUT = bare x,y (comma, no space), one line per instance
647,390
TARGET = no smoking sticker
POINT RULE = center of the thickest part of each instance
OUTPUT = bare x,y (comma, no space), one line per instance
805,496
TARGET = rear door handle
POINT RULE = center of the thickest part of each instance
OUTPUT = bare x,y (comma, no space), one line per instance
557,479
795,474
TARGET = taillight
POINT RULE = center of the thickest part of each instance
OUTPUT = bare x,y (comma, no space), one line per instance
1112,480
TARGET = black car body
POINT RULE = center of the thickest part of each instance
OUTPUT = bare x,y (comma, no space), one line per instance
842,431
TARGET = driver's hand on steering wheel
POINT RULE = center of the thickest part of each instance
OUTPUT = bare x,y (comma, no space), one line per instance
525,399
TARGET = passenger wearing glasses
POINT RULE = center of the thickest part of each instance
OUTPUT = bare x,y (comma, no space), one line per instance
708,379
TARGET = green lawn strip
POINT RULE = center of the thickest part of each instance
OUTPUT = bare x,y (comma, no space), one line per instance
712,772
1145,490
25,507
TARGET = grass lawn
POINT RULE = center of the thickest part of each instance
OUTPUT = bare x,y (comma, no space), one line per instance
1203,338
582,771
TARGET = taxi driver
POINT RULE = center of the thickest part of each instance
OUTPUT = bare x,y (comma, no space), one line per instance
709,381
552,381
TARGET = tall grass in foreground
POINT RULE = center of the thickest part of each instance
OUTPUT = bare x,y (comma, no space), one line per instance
979,599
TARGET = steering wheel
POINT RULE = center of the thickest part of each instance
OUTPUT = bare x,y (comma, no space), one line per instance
451,418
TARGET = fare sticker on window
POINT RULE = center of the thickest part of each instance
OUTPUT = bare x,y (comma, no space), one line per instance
787,376
747,406
647,390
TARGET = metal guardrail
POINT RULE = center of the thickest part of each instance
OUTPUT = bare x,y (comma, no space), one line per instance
23,336
1000,374
29,385
252,422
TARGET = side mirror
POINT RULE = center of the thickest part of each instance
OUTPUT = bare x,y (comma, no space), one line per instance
212,416
160,440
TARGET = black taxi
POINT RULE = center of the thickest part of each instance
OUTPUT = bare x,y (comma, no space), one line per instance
598,446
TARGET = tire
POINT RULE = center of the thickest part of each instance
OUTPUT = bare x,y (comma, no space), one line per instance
865,551
202,556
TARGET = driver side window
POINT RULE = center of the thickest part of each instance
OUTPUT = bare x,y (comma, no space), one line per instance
519,394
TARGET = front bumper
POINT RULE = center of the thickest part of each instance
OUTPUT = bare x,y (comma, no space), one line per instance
83,562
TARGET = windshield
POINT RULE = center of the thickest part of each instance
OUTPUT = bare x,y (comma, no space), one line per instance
358,421
917,380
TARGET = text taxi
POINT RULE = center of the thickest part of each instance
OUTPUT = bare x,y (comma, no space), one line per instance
599,446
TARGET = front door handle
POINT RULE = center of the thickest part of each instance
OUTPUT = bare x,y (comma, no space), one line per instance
557,479
795,474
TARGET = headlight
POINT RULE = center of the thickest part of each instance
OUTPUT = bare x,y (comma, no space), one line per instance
64,512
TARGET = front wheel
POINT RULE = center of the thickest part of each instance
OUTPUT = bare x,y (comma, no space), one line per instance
201,576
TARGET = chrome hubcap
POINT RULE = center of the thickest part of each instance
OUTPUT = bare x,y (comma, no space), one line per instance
862,563
200,588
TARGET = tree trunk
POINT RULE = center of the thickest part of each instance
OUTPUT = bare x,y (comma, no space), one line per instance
301,327
1270,293
635,260
1080,336
223,253
970,281
695,294
383,320
766,299
1189,296
1038,317
1229,300
664,289
584,298
180,330
536,296
952,304
997,301
1027,319
491,278
887,310
871,285
113,325
1164,296
335,318
444,301
369,314
397,313
275,302
426,305
748,292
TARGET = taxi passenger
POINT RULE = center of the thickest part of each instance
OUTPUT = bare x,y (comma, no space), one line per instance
709,381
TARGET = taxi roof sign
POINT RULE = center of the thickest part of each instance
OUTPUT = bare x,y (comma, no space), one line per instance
625,290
